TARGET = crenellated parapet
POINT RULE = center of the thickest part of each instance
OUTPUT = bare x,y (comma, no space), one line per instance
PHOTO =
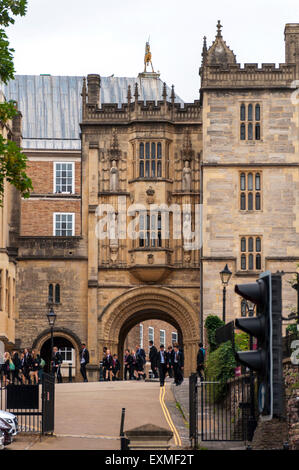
137,110
220,70
248,76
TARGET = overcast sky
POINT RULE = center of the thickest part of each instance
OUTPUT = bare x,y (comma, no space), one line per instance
77,37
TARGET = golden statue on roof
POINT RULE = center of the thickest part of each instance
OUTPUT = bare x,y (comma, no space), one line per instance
148,57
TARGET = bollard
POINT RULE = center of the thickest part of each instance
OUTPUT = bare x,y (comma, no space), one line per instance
124,442
101,378
70,373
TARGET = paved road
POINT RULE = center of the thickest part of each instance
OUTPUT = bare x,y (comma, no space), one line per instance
87,415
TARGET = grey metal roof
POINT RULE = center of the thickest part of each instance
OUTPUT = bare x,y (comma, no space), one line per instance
52,107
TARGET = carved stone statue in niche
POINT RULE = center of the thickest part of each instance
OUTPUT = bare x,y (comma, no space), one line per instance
113,176
186,177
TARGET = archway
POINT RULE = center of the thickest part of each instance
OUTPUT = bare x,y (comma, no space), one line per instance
142,303
69,345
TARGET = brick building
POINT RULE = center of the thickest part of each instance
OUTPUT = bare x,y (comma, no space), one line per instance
129,143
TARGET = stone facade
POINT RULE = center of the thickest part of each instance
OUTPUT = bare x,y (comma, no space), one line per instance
9,214
235,151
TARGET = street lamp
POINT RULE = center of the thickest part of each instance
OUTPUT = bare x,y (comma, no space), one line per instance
51,319
225,276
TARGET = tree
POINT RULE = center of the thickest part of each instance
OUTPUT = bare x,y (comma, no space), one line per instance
12,160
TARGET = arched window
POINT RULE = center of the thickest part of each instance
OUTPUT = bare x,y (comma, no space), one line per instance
243,262
250,182
258,245
251,249
250,244
243,244
242,132
250,119
257,112
243,182
242,112
257,202
57,294
243,308
141,160
258,263
250,135
250,201
150,155
243,202
257,132
50,294
250,112
257,182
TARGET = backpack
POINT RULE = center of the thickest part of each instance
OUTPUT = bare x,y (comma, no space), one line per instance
11,366
42,363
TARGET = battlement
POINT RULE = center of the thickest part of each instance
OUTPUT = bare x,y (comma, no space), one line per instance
248,76
144,111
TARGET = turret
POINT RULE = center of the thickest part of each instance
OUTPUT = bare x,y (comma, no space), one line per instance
291,36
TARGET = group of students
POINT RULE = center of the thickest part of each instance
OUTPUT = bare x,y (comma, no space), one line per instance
170,362
134,362
26,368
111,365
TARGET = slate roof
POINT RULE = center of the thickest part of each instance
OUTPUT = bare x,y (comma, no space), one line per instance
51,105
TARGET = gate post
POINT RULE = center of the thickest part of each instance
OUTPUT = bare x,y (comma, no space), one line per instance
193,411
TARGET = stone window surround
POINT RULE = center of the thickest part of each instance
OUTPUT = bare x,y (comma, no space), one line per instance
246,102
165,149
254,191
247,253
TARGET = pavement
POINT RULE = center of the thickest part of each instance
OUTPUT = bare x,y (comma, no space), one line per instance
181,397
88,415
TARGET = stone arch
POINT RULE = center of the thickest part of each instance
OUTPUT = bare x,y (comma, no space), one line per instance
61,332
142,303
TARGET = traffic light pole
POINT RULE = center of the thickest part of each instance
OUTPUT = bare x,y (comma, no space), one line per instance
252,421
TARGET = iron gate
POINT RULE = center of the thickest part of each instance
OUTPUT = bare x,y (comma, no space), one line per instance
220,411
23,400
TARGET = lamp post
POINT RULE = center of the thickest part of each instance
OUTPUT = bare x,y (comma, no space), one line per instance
225,276
51,319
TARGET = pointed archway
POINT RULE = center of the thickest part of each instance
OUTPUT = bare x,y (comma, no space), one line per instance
143,303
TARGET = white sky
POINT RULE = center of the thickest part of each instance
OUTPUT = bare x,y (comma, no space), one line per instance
77,37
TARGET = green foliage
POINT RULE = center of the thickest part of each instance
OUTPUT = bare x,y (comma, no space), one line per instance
292,329
12,160
6,59
12,167
9,8
242,341
220,366
212,323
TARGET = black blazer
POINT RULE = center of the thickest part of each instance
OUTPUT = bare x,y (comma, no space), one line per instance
153,354
180,359
108,362
159,358
85,355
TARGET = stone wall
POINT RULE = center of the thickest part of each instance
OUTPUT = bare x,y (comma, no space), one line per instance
291,376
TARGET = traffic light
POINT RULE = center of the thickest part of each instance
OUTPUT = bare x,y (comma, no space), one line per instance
266,327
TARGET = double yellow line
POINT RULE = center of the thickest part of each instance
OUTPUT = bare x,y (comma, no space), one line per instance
177,439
